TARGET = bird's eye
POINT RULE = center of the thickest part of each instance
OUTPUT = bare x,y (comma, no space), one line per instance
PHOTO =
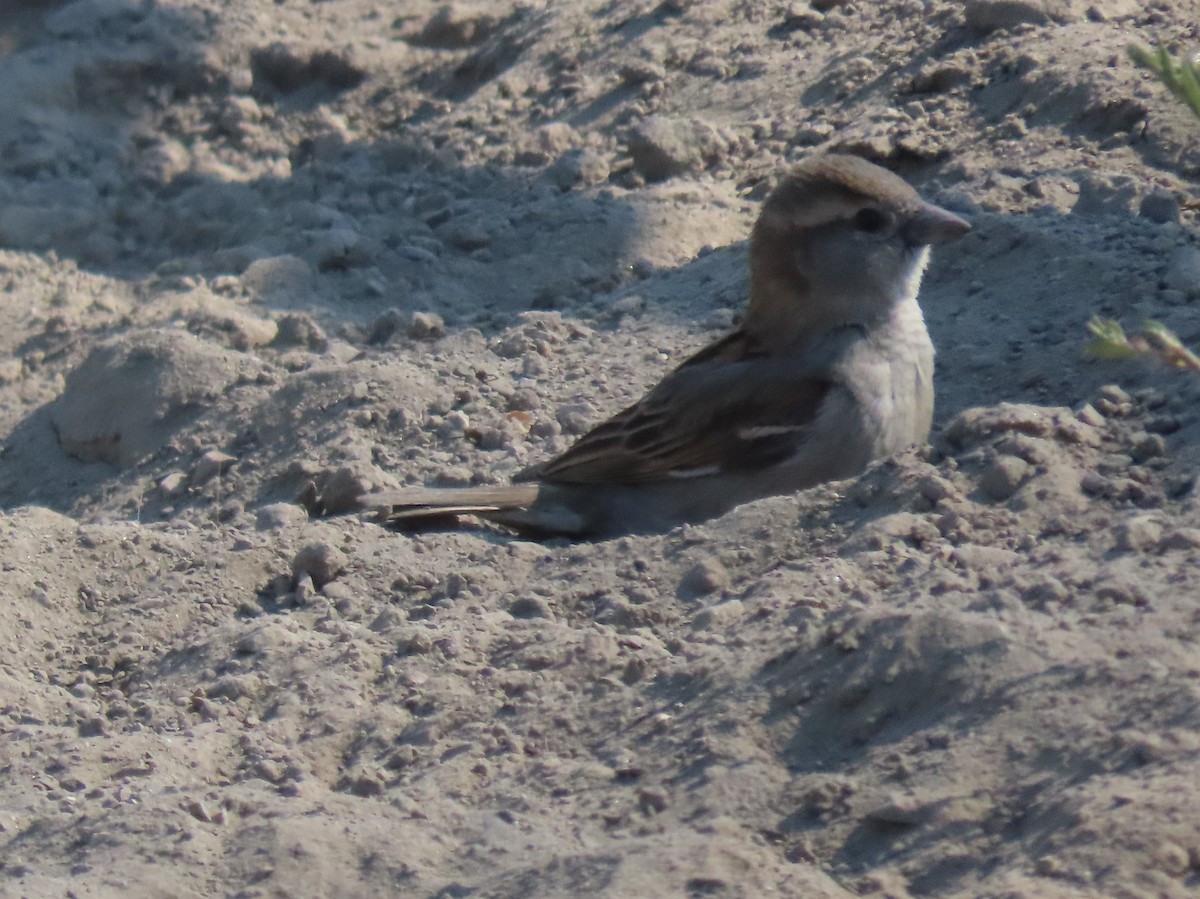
872,220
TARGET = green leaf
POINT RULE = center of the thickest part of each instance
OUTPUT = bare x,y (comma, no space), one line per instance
1109,340
1182,78
1169,347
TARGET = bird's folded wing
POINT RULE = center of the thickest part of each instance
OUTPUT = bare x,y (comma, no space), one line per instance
704,419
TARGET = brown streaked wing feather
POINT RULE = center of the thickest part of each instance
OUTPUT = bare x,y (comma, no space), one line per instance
680,427
601,454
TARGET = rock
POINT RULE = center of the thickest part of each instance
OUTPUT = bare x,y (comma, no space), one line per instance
1105,196
1160,207
239,111
1175,860
339,490
530,607
386,325
425,326
991,15
940,77
278,67
321,562
907,527
703,578
1042,590
454,26
278,276
172,484
976,425
210,464
1146,446
1089,416
575,418
11,371
464,234
92,726
662,147
1058,485
1003,477
798,17
719,616
642,71
1111,10
299,329
365,785
524,399
339,249
277,516
1181,539
234,325
1034,450
200,812
575,167
1183,271
653,801
1114,393
304,592
632,305
1139,533
126,399
29,227
455,424
974,557
164,160
555,138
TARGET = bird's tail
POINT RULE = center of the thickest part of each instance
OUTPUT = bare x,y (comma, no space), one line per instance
420,502
513,505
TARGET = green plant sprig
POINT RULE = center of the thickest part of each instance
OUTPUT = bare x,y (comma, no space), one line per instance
1182,78
1154,341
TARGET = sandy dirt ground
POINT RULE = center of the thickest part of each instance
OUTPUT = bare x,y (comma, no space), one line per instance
259,257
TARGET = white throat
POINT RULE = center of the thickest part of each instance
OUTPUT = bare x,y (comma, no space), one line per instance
910,284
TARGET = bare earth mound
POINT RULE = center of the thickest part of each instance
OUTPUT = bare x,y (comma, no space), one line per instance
259,257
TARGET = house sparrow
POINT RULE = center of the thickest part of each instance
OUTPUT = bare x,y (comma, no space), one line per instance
831,368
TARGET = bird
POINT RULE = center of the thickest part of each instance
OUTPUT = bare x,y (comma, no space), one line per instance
830,368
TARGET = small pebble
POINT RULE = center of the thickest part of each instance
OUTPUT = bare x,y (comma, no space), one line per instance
277,516
1181,539
579,167
172,484
1159,206
1183,270
1002,478
530,607
1139,533
1111,393
719,616
305,591
211,464
1147,446
1173,859
426,326
1089,416
705,577
320,561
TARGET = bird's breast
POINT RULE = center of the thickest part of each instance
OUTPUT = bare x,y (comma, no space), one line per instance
890,374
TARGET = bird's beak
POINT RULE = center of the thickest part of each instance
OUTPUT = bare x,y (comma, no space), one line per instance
933,225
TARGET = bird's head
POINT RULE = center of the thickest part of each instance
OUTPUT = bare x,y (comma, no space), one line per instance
840,240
